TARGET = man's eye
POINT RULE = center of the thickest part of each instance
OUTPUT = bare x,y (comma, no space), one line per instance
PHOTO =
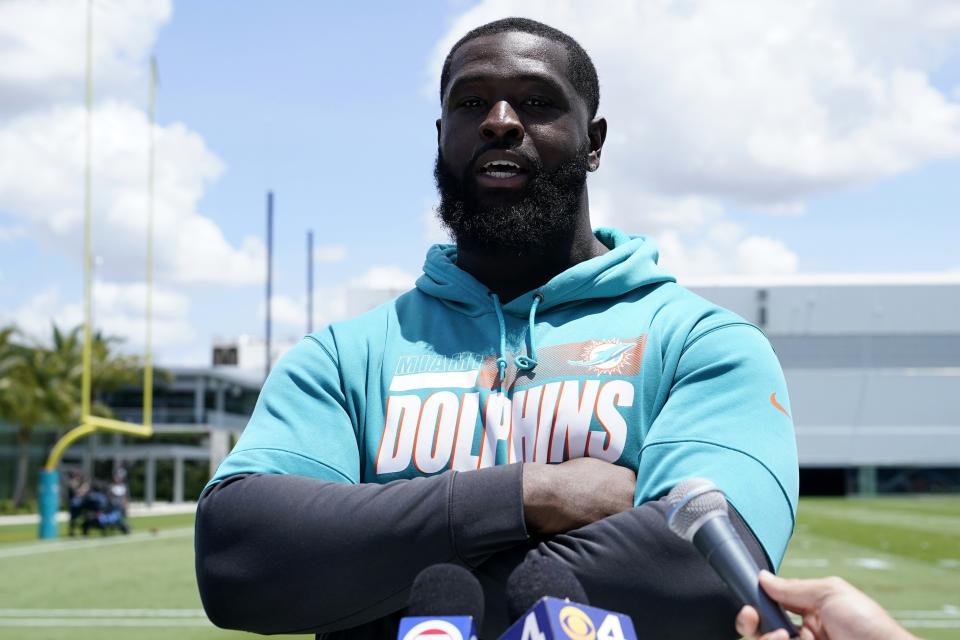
538,102
471,103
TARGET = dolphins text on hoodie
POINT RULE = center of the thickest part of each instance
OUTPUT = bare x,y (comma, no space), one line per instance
610,359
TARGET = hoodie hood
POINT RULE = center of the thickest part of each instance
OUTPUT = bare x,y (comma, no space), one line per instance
630,264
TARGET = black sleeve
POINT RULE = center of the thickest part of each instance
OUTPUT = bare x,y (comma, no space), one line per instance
632,563
288,554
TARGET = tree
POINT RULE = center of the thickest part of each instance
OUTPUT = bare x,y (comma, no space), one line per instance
9,361
33,392
40,386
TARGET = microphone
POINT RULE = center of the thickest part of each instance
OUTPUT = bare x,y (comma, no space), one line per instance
546,601
446,603
698,513
538,577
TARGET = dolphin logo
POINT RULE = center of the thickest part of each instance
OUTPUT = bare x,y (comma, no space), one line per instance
607,354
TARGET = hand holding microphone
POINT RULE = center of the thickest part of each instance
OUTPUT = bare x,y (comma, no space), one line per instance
698,513
832,609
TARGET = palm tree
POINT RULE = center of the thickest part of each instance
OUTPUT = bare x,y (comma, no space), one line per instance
40,386
9,361
35,392
6,357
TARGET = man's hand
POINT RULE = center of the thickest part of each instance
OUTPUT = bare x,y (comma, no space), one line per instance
832,609
561,497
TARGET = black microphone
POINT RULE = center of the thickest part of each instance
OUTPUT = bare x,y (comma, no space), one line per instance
547,602
698,513
538,577
446,601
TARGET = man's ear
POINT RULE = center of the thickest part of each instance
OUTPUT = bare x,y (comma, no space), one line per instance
438,132
597,133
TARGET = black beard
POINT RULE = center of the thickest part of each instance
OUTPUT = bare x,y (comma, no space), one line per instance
532,223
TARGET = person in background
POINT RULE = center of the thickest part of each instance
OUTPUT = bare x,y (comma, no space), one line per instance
77,488
832,609
118,493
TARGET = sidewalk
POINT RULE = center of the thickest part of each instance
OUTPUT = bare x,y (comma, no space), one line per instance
136,510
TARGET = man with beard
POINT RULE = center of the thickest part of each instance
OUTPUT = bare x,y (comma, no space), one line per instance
416,433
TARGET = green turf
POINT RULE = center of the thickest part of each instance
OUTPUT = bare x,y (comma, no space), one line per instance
903,552
152,571
19,533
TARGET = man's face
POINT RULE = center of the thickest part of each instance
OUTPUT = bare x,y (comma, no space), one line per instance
515,143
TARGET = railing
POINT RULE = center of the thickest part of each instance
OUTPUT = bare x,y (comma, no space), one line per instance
185,416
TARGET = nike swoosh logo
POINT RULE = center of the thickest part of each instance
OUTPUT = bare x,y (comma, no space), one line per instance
773,401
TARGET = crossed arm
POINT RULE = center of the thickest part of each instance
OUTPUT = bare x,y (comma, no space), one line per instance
289,553
280,553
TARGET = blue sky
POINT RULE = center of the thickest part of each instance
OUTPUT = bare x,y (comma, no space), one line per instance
800,140
325,106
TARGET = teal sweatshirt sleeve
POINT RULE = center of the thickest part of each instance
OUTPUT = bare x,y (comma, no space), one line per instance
301,425
289,540
727,418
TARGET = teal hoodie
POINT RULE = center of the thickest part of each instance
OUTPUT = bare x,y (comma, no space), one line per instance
610,359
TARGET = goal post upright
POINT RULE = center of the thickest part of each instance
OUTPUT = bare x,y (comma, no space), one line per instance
49,486
151,170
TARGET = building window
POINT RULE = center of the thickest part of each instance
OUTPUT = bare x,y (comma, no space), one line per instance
224,356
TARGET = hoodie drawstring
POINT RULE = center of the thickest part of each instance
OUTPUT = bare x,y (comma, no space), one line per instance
501,360
524,363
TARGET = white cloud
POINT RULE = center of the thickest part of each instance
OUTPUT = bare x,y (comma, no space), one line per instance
43,58
330,253
756,104
35,316
286,310
761,102
433,230
759,255
131,299
289,313
623,204
42,147
725,248
381,277
119,310
41,182
377,285
9,234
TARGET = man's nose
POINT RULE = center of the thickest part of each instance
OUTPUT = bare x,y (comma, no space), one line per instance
502,124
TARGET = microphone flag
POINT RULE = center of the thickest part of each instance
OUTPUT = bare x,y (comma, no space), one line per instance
446,603
553,618
437,628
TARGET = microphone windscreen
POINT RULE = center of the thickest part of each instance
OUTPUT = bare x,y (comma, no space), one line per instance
693,502
446,590
537,577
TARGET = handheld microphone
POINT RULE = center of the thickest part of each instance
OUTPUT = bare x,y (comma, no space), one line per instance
546,601
446,603
698,513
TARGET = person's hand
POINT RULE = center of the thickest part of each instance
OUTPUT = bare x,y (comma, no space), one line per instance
832,609
561,497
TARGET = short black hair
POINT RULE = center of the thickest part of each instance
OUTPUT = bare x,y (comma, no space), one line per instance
580,70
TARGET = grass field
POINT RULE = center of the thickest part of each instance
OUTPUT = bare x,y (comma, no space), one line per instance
905,552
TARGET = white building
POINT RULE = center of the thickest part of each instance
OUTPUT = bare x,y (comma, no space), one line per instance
247,354
872,364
